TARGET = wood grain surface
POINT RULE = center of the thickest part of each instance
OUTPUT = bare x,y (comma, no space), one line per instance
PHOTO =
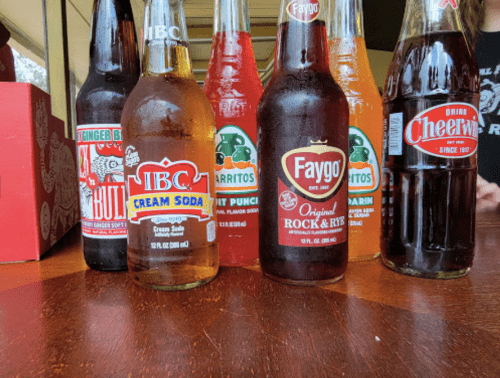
60,319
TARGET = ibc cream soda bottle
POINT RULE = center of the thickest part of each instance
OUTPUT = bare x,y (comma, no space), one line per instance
303,143
168,139
233,87
429,167
350,68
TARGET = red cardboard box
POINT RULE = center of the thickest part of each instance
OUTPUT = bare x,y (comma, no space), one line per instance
39,200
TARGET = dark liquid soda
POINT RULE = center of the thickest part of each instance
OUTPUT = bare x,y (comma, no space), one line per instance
302,101
428,204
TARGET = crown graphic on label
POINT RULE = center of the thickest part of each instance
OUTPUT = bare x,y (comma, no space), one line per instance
319,142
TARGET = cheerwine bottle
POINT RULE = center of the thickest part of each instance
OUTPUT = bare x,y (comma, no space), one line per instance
113,73
351,70
303,150
234,88
430,140
168,139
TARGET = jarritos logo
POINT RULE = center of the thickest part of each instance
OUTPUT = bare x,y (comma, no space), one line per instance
169,188
304,10
448,130
235,162
364,172
316,170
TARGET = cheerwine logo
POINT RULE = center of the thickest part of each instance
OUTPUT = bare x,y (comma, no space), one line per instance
448,130
169,188
316,170
304,10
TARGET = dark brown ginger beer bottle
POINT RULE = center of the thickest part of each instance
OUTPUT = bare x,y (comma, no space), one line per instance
303,147
168,139
113,73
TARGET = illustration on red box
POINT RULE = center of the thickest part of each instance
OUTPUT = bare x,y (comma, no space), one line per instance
38,175
58,177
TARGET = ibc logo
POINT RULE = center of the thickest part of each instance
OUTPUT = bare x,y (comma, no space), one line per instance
162,32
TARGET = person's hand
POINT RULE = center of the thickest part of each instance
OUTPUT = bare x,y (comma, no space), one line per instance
487,195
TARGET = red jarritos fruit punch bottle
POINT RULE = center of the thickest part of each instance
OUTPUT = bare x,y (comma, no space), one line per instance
113,73
430,141
303,144
233,87
168,140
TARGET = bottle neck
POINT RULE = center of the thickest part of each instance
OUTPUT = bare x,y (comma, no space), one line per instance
347,44
346,19
165,44
430,16
113,43
231,16
302,41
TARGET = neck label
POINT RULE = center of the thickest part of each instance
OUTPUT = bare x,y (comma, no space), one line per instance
304,10
444,3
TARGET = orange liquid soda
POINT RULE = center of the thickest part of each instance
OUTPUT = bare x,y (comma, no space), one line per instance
351,70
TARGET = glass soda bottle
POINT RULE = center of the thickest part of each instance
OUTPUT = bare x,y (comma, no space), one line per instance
351,69
168,139
430,141
303,150
7,68
113,73
234,89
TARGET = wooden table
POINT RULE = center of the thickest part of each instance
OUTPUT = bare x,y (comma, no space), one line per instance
60,319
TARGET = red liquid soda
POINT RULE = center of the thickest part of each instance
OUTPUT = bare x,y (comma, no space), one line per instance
233,87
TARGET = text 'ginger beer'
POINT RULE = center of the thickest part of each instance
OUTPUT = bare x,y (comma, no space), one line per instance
168,139
303,144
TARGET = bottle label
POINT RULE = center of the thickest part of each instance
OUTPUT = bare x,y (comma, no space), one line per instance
169,189
449,130
364,171
304,10
102,189
235,162
444,3
316,216
364,180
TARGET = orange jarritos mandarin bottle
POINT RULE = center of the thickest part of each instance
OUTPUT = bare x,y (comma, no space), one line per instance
233,87
350,68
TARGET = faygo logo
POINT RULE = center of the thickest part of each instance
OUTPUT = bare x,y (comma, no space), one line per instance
447,130
304,10
316,170
168,188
